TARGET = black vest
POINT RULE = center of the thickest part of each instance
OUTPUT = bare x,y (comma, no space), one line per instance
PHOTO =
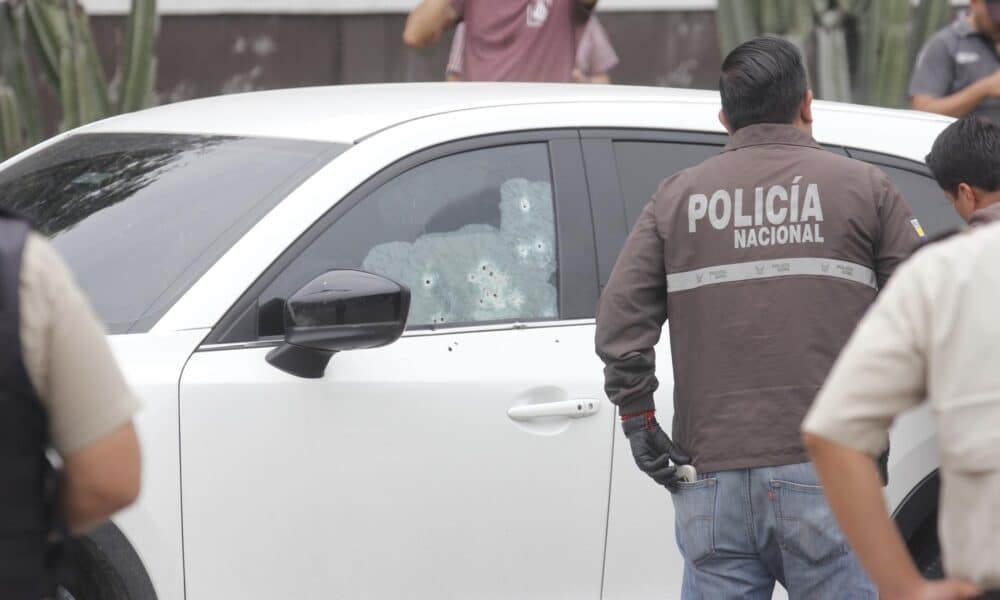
31,548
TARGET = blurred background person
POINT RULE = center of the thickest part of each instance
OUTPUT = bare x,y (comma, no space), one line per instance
595,55
515,40
958,70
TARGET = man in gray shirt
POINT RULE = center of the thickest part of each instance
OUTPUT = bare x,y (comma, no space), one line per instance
957,70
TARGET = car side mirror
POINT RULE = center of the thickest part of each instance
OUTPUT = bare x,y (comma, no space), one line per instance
339,310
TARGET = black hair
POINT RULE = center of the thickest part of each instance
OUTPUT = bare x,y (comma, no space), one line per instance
967,151
762,81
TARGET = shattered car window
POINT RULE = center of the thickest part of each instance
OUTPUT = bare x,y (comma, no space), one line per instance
480,272
472,235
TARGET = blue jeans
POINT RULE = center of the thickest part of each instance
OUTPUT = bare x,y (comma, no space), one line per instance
740,531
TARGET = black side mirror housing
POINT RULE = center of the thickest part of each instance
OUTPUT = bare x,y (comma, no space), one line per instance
339,310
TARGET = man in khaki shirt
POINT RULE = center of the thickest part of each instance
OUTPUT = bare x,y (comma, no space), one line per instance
931,336
60,386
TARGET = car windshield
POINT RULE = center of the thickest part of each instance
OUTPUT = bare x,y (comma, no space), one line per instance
140,217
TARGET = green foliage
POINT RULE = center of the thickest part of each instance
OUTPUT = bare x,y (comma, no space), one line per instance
56,36
140,60
874,69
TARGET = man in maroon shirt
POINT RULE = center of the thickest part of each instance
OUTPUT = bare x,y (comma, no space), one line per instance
513,40
595,56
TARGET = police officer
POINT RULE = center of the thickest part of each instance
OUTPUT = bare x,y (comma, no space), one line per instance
764,258
958,69
964,160
60,389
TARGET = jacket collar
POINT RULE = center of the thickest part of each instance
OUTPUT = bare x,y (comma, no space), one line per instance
987,215
769,133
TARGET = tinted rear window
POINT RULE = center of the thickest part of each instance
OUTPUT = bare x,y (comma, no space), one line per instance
139,217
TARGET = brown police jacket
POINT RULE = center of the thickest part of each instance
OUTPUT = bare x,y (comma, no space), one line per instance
764,258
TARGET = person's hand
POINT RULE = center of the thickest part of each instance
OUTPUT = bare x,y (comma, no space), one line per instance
946,589
652,449
992,84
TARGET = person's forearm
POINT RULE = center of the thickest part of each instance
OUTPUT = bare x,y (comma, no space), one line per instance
427,22
852,486
958,104
86,508
101,479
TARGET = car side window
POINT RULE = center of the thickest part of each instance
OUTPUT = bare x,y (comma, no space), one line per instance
472,235
643,165
926,200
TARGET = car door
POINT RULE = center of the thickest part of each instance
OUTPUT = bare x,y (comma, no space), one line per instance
469,459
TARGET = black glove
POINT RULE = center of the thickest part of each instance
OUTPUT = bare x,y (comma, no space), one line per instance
653,449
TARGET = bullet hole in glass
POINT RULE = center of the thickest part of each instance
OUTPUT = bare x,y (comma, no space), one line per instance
515,282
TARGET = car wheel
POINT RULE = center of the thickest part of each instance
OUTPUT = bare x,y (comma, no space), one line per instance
926,550
95,576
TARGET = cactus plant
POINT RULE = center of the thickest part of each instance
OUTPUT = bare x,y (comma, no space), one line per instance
140,61
11,136
890,32
58,34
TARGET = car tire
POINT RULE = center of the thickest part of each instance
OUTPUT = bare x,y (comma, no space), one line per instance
95,578
926,550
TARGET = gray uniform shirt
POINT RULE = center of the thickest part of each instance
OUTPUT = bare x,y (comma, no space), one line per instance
764,258
952,60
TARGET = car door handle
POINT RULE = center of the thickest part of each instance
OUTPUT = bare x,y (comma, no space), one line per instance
574,409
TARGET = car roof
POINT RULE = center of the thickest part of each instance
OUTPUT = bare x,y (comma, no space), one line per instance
349,113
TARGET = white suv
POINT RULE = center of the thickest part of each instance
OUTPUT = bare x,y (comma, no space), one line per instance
474,457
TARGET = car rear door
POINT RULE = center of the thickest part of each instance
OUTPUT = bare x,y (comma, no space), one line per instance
471,458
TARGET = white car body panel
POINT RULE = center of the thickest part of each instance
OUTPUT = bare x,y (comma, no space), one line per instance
152,364
398,474
350,113
261,514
